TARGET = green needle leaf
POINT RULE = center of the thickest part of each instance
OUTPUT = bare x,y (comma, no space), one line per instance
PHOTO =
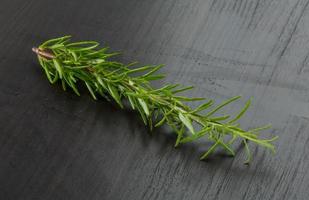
55,41
132,102
248,152
154,69
212,148
58,67
222,105
91,91
182,89
140,69
160,122
242,112
144,106
186,122
203,106
114,92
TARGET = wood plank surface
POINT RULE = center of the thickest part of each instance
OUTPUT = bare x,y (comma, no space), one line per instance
55,145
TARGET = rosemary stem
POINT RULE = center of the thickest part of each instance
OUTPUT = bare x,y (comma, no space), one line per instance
43,53
82,61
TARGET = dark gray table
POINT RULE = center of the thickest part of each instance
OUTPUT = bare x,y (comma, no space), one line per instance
55,145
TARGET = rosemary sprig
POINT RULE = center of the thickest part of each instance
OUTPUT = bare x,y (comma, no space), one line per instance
82,61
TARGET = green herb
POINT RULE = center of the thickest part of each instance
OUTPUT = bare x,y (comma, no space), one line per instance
84,62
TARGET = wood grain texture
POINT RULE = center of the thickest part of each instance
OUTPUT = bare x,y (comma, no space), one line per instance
55,145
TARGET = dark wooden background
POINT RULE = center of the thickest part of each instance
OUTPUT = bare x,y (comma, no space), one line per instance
55,145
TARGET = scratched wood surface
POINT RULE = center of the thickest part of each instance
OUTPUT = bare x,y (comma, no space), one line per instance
55,145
